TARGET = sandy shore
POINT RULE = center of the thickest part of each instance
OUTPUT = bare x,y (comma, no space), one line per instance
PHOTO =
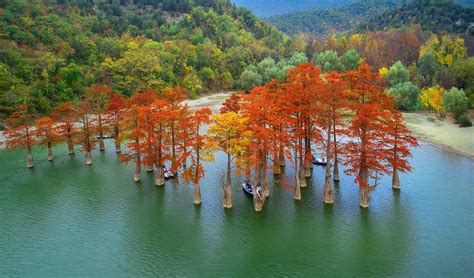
442,132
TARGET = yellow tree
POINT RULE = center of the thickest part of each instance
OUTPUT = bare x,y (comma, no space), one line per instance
447,50
432,98
229,134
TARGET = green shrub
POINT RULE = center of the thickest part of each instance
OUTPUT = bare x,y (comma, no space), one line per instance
464,121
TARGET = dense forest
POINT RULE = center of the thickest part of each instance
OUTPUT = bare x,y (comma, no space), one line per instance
50,51
324,21
266,8
435,15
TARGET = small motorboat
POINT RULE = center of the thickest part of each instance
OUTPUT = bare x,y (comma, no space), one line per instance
105,137
167,172
248,189
320,161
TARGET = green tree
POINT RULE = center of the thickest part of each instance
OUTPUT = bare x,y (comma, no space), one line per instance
328,61
405,96
397,74
249,79
455,102
350,60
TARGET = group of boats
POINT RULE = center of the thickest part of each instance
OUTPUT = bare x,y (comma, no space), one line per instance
248,187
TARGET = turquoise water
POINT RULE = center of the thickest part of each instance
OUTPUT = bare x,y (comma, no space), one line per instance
64,218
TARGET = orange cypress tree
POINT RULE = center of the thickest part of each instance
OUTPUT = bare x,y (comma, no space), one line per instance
88,128
366,152
65,116
116,109
19,132
196,142
399,141
331,108
46,133
132,133
232,104
98,96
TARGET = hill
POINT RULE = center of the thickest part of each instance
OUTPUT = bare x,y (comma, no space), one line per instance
266,8
434,15
51,51
320,22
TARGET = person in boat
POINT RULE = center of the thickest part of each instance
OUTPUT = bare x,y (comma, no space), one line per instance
259,190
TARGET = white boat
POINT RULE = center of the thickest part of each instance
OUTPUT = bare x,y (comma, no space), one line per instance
248,188
320,161
167,173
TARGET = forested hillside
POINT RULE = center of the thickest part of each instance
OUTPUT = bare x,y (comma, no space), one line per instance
434,15
51,51
266,8
323,21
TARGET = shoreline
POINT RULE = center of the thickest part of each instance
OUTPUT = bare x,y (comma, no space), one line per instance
443,133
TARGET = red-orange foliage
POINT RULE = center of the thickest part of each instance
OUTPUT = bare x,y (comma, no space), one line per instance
399,141
46,133
232,104
65,116
196,142
86,134
365,153
18,133
116,107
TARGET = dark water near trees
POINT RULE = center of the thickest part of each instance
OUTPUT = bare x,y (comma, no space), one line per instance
65,218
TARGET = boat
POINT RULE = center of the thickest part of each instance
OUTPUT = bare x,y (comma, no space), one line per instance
248,189
105,137
167,172
320,161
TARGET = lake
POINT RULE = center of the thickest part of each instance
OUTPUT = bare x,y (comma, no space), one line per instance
64,218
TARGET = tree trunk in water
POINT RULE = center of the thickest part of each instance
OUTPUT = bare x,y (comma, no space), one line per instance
336,170
197,194
307,161
297,192
70,145
159,176
117,147
281,157
395,180
276,167
149,167
138,170
328,190
307,170
88,158
302,177
101,134
228,187
50,152
29,158
259,180
364,190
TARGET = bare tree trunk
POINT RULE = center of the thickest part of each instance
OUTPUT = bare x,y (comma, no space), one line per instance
70,144
50,152
297,192
307,161
101,134
228,186
276,169
328,190
281,157
395,180
29,158
335,175
88,158
364,191
197,194
138,169
159,175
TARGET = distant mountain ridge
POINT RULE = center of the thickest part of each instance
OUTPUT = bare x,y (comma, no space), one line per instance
434,15
321,22
267,8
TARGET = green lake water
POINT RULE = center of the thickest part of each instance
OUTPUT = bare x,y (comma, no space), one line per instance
65,218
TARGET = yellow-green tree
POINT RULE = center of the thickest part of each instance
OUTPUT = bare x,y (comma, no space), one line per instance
432,98
229,134
447,50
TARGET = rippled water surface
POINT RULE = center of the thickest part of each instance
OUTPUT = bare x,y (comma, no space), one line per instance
64,218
